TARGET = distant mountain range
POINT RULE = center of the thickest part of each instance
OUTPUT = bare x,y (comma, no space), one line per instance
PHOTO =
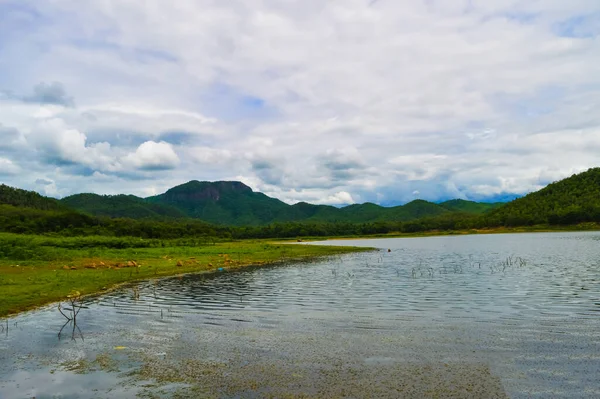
234,203
220,207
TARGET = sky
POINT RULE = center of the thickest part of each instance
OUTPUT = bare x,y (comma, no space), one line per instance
329,102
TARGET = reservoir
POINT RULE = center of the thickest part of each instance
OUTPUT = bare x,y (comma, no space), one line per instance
504,315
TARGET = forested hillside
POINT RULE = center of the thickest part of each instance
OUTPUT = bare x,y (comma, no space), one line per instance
569,201
223,202
25,220
121,206
29,199
460,205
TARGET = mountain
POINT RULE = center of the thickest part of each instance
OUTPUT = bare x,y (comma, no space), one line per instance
232,203
120,206
185,209
235,204
223,202
569,201
459,205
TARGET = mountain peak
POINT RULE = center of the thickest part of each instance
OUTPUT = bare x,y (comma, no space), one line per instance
205,190
221,184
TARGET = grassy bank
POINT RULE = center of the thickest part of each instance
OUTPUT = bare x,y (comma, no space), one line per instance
35,270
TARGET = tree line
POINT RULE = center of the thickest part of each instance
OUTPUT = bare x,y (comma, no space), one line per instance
69,224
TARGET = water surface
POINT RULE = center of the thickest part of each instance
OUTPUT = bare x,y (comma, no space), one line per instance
501,315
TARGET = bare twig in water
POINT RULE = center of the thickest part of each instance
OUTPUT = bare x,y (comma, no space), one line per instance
74,300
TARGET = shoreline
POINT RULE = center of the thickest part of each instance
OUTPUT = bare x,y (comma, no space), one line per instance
59,277
31,285
586,227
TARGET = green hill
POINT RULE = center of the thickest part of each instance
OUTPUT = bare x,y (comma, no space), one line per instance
459,205
27,199
360,213
303,210
573,200
369,212
223,202
416,209
120,206
24,211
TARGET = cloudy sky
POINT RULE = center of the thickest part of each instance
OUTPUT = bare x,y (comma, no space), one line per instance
336,101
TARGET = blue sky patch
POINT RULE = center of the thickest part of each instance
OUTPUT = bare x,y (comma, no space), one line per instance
580,27
228,103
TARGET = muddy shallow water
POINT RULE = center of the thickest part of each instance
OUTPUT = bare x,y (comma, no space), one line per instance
469,316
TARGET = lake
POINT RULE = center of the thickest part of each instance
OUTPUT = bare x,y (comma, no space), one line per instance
513,315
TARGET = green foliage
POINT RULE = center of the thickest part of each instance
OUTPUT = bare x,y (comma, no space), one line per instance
17,219
305,229
567,202
570,201
29,199
36,247
121,206
417,209
69,223
225,203
459,205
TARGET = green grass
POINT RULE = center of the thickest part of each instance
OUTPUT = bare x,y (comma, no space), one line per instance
36,270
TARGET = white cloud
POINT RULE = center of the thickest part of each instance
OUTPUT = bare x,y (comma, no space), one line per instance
62,144
52,93
7,167
46,187
207,155
305,100
153,156
339,198
144,119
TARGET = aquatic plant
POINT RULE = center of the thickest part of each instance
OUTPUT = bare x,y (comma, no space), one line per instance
510,262
76,304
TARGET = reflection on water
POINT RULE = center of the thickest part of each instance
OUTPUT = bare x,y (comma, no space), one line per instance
458,315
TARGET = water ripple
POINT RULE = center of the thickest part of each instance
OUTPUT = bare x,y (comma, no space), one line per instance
527,305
